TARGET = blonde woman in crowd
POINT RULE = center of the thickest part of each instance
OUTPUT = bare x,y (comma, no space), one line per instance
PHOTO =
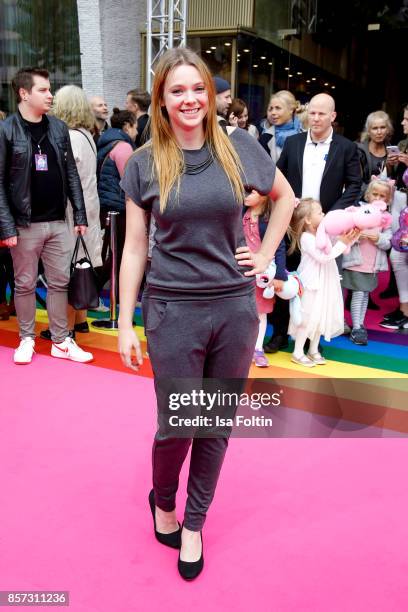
72,106
280,122
372,147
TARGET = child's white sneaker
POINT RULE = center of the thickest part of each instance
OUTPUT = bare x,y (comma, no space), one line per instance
25,351
70,350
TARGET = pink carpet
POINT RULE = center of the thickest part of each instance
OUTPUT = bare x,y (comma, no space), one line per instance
297,524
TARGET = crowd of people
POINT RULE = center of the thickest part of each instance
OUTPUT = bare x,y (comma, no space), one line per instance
85,155
207,202
61,162
326,169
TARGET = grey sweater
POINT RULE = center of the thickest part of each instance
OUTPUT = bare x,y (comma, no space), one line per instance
197,235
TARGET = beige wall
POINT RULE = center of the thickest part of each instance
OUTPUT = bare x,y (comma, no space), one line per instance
220,14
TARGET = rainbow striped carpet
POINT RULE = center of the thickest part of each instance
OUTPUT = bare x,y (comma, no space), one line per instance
378,367
385,356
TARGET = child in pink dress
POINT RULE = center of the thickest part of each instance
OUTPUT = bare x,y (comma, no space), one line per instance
255,221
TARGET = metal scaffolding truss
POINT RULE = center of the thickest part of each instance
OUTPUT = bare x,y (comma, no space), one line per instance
166,28
304,15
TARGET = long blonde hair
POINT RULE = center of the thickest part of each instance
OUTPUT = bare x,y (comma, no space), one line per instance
72,106
167,154
298,222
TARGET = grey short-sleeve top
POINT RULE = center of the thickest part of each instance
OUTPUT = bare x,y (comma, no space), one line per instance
198,233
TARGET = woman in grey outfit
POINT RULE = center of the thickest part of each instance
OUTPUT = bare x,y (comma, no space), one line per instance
192,177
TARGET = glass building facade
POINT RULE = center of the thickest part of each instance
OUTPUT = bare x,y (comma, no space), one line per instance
256,67
353,50
42,33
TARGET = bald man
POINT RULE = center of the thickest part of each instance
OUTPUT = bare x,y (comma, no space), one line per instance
100,110
322,165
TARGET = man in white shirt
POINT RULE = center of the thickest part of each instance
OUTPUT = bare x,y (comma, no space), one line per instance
318,164
318,142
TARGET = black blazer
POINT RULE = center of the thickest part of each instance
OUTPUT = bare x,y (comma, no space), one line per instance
342,171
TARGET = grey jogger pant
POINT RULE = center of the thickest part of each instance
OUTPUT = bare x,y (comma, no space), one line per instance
51,242
212,338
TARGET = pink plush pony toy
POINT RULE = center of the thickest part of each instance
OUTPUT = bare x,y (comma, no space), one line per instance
336,222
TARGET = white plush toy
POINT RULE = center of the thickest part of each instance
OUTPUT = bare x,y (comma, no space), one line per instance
262,280
292,290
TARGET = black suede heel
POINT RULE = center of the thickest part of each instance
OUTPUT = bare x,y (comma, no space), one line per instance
191,569
168,539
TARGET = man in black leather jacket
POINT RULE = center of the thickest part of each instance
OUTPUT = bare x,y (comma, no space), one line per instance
37,175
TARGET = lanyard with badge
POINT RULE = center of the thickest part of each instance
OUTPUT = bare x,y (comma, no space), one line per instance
41,162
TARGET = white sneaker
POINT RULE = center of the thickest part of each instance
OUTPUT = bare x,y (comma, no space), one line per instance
25,351
101,307
70,350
